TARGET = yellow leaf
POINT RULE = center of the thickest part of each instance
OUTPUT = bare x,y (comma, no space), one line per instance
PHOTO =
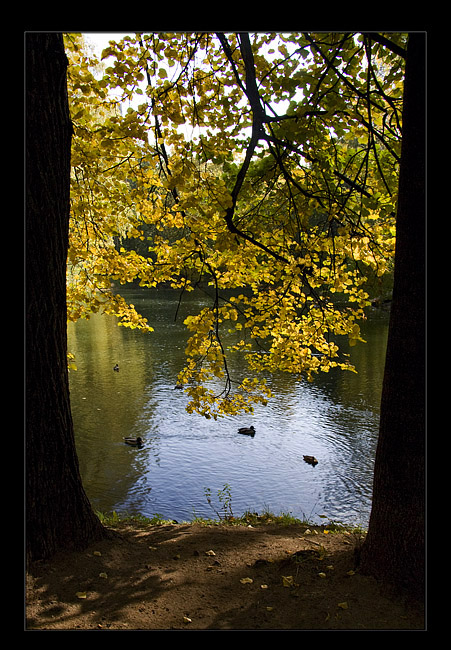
103,575
245,581
81,594
343,605
210,553
287,581
322,575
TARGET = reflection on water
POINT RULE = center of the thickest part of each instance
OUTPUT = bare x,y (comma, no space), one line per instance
335,419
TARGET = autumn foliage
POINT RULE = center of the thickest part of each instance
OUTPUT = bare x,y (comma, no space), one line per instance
263,167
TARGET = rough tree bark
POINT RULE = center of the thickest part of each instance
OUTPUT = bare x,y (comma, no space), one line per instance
394,547
58,513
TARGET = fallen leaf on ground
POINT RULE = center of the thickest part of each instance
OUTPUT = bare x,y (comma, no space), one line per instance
81,594
245,581
210,553
343,605
287,581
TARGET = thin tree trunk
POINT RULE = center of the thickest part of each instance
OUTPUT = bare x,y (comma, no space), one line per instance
394,547
58,513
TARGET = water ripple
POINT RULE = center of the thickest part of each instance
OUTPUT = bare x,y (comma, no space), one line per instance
335,419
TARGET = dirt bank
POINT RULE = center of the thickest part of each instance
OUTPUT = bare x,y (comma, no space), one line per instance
197,577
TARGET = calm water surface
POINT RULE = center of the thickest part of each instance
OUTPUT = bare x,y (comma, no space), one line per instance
334,419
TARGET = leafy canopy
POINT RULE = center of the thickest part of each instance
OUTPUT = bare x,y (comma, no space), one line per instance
264,166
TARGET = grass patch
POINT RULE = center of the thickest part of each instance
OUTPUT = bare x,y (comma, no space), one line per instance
249,518
114,518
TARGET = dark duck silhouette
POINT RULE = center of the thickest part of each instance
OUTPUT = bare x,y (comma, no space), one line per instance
247,431
134,442
311,460
116,368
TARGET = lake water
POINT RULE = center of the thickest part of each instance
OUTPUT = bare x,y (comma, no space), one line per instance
335,419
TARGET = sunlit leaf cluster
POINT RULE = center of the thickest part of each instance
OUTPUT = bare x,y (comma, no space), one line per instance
262,167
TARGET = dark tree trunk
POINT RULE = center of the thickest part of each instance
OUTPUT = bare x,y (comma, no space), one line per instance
58,513
394,547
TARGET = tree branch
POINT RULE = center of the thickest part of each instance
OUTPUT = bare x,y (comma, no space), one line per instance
258,117
383,40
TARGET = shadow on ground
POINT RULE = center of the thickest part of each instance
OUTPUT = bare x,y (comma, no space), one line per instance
195,577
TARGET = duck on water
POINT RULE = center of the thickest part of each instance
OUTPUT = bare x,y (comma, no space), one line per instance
134,442
247,431
311,460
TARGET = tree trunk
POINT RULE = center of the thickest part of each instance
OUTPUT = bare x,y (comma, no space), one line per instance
394,547
58,513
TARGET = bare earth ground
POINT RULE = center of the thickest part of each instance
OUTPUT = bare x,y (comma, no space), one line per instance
198,577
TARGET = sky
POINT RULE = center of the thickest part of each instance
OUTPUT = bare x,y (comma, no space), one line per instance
100,40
